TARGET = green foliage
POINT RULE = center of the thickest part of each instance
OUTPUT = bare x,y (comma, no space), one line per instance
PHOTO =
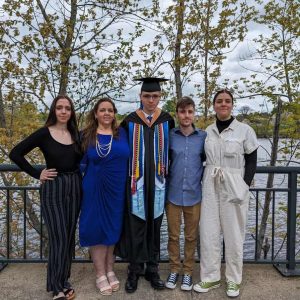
170,107
262,123
278,53
277,76
24,119
192,39
76,48
202,122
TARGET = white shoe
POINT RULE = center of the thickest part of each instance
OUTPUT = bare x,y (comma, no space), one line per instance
232,289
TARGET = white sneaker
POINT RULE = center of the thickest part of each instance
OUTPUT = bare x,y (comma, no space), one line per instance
232,289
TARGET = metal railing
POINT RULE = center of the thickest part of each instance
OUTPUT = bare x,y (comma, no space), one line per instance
288,266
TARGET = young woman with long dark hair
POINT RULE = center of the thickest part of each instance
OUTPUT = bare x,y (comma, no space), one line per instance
105,167
60,189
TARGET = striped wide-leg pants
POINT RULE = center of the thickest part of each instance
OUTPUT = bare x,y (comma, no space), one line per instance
60,203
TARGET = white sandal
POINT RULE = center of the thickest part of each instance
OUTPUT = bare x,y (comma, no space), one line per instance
113,282
105,289
59,296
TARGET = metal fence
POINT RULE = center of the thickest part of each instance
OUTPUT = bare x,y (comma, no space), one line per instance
10,195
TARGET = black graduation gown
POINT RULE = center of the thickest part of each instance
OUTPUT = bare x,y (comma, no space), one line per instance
140,239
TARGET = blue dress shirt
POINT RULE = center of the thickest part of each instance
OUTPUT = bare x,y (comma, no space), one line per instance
186,167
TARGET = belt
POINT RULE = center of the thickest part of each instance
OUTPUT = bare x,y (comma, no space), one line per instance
217,172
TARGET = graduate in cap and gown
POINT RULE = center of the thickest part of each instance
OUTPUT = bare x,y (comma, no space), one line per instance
148,133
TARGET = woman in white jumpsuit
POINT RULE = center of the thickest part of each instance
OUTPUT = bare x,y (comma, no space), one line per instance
225,196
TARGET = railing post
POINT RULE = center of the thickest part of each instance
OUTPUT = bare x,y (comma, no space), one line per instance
290,268
7,225
2,266
291,222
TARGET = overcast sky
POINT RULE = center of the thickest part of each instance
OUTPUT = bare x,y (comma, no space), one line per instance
231,69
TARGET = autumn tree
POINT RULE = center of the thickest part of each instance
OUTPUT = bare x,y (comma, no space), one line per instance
82,48
276,77
193,40
79,47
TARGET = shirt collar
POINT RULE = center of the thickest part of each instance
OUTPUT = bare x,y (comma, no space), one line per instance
232,126
146,115
178,131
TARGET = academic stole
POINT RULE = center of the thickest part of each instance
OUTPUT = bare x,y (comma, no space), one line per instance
137,157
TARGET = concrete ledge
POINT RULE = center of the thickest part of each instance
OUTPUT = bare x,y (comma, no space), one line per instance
27,281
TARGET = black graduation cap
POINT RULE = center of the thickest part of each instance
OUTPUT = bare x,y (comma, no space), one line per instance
151,84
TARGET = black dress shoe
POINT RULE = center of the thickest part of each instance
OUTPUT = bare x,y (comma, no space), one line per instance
155,280
131,282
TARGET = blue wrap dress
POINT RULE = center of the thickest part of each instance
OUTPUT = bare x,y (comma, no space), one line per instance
104,184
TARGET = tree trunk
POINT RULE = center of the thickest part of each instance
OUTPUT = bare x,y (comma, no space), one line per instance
2,115
64,78
206,100
285,63
268,198
206,47
177,58
67,49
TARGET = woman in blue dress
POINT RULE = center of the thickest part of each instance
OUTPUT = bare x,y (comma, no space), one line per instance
105,168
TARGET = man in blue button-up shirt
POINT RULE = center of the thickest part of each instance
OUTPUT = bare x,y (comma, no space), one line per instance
184,191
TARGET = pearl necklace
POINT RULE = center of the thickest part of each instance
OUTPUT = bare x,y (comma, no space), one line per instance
101,149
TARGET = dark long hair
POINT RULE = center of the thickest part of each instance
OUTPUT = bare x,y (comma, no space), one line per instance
72,123
220,92
89,133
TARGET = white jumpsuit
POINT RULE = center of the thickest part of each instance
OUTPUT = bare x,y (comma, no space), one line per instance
225,200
